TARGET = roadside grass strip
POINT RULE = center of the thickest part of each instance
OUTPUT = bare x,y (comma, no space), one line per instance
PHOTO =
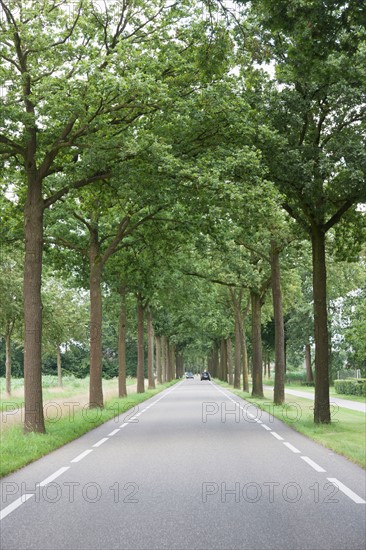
19,449
345,435
338,484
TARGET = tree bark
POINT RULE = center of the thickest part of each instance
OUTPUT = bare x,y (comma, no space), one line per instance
279,381
172,365
140,346
223,359
163,359
321,401
179,363
229,361
158,359
8,364
215,360
150,351
95,285
210,365
33,230
59,367
309,370
244,353
257,388
237,363
122,325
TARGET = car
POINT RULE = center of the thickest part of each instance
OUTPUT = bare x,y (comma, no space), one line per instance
189,375
205,375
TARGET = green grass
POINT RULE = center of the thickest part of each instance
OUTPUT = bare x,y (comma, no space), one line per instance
346,435
19,449
332,392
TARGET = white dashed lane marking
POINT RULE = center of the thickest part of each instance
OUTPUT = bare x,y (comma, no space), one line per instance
21,500
100,442
54,476
291,447
357,499
277,436
14,505
81,455
313,464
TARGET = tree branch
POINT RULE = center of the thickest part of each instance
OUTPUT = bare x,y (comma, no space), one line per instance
10,143
112,248
77,185
252,249
338,215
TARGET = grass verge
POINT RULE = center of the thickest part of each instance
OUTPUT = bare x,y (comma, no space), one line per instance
19,449
346,435
332,392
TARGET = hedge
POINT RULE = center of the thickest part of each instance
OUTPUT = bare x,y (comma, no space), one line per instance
353,386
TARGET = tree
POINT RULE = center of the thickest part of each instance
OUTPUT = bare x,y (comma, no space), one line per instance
11,304
70,90
65,318
317,156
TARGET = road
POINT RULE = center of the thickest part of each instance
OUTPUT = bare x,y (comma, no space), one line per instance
194,468
345,403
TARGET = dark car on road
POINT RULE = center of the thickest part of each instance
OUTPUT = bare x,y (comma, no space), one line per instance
205,375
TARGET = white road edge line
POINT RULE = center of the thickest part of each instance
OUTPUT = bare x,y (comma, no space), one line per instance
81,455
123,425
313,464
291,447
346,491
114,432
277,436
14,505
266,427
100,442
54,476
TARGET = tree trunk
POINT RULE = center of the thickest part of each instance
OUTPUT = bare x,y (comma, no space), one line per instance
122,388
150,351
215,360
140,347
59,368
210,364
158,359
8,364
309,370
172,366
229,352
163,359
257,388
321,402
95,283
237,353
223,359
279,381
33,230
244,353
179,362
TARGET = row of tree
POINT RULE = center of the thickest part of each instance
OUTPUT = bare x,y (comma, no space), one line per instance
145,145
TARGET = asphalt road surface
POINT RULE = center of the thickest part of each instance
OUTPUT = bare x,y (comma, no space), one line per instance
194,467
